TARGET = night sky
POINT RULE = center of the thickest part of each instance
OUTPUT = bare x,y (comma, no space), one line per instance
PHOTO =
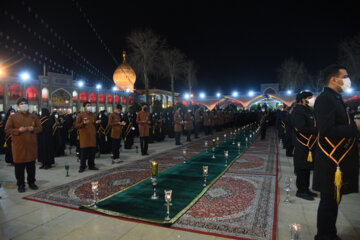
234,46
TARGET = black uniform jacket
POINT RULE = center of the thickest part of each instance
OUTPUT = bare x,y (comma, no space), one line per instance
335,128
303,122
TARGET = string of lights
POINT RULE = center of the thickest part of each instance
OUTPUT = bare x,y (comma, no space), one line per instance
87,20
83,63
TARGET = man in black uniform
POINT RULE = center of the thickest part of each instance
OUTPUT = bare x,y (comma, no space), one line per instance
306,136
336,169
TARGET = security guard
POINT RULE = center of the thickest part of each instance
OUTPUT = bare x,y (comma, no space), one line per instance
116,124
336,169
304,124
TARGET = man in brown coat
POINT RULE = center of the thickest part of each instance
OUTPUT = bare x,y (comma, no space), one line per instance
23,128
85,122
143,121
189,126
116,130
177,126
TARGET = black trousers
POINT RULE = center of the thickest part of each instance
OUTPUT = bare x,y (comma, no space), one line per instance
263,132
87,154
115,147
326,217
177,138
188,135
20,173
197,128
144,144
302,180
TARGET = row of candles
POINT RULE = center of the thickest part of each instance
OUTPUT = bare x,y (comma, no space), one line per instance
154,173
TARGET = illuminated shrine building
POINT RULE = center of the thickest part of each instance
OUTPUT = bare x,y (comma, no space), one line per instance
60,92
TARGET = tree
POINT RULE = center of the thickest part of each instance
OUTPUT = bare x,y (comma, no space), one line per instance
292,75
350,56
191,75
317,82
145,47
173,67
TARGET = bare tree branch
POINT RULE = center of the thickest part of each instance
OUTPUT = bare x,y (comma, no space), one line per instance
350,56
292,75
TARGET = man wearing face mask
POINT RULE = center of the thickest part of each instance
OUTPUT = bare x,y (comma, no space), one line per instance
116,132
143,121
23,128
85,122
304,124
336,170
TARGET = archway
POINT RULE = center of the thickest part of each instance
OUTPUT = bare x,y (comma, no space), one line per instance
32,94
93,97
45,95
270,102
14,92
123,100
102,98
117,99
110,99
75,96
269,90
60,99
83,97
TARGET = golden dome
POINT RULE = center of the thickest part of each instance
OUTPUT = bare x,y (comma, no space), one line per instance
124,76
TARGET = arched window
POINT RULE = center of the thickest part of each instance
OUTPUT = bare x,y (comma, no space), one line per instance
93,97
117,99
14,92
83,97
32,94
130,100
102,98
123,100
75,96
1,92
45,94
270,91
110,98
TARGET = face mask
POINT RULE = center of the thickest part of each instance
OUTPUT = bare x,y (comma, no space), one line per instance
12,113
311,102
89,108
346,84
24,107
56,116
263,110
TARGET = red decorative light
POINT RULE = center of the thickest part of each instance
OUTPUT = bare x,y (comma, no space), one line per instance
110,98
102,98
117,99
93,97
83,97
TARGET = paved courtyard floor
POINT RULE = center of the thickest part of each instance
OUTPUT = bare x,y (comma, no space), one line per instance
23,219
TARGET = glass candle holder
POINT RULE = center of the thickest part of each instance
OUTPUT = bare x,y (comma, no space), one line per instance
95,190
184,155
206,145
295,231
167,195
67,167
226,155
205,174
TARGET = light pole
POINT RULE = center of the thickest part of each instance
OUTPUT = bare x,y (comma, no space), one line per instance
98,87
24,77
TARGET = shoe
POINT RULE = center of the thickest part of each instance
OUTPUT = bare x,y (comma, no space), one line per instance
93,168
146,154
33,186
21,189
81,170
305,196
47,167
311,193
42,166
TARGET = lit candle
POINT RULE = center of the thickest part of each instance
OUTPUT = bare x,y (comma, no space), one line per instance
184,152
226,153
238,144
154,168
224,135
217,138
94,186
206,144
295,231
168,194
205,170
214,142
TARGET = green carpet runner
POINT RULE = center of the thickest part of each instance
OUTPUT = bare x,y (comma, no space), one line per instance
185,180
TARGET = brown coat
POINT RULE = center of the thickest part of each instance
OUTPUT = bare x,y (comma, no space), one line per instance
207,121
87,132
142,120
116,128
177,122
189,126
24,146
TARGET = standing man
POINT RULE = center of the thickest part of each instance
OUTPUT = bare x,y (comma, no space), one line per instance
177,126
189,126
304,124
85,122
23,128
143,121
336,170
116,132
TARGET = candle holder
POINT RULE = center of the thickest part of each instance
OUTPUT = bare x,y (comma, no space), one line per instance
205,174
246,140
217,139
184,155
213,153
77,157
154,183
112,160
154,169
168,194
225,137
226,155
239,146
295,231
206,146
154,173
95,190
288,190
67,170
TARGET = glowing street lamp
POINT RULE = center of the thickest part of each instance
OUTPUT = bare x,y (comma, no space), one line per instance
98,86
251,93
235,94
289,92
186,96
114,88
349,90
127,90
80,84
25,76
218,95
202,95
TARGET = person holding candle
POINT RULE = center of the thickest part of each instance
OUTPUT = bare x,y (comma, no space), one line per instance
85,123
336,165
116,131
143,121
23,128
